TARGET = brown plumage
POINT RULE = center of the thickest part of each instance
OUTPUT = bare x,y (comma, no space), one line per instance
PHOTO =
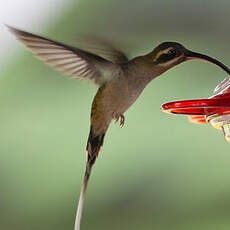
120,81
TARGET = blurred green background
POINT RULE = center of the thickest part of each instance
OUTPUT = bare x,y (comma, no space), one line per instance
159,171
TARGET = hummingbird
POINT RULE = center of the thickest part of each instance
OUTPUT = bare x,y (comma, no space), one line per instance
120,82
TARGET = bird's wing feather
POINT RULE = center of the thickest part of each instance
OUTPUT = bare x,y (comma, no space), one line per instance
102,48
72,61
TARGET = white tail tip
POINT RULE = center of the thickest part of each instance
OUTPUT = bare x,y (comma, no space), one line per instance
79,211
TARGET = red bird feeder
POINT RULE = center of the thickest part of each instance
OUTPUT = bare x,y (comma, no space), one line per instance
214,110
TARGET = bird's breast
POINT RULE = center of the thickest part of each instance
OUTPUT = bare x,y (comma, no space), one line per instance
121,95
134,93
114,97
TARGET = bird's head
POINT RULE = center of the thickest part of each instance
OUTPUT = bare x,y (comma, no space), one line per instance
169,54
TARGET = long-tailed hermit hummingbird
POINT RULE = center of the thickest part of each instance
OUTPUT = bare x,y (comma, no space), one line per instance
120,82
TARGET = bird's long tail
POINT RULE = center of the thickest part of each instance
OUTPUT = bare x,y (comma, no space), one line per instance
93,148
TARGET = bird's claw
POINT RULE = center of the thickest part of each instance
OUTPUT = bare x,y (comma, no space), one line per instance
122,120
117,116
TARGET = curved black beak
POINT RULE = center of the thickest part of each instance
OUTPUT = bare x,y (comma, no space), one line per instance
189,55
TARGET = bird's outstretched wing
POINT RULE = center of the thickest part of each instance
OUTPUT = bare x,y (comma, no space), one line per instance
102,48
72,61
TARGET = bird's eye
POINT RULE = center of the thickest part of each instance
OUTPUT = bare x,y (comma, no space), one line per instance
167,56
172,52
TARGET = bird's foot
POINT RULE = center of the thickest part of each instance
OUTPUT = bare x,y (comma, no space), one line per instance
122,120
117,116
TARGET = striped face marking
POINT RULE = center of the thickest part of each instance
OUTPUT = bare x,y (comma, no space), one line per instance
165,51
167,56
